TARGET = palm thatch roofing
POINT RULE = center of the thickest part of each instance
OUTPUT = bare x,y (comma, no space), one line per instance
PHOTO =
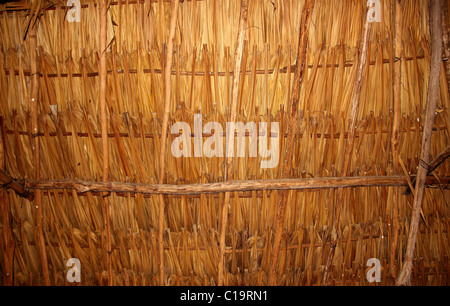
218,223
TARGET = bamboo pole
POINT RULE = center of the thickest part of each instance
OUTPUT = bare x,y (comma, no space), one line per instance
361,69
230,149
396,127
104,130
167,100
292,125
432,99
35,149
230,186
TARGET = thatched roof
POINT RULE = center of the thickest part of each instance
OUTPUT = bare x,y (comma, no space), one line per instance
69,139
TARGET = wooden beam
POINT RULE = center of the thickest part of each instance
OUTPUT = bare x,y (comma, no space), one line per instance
396,129
25,188
292,123
432,99
104,130
229,186
6,239
446,39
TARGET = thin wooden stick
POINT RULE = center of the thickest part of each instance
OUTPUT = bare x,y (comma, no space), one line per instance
5,210
104,130
292,125
433,166
194,60
439,160
34,127
284,70
432,98
350,140
7,247
446,39
230,149
167,100
396,128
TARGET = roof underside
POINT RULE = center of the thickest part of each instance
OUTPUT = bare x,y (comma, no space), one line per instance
70,147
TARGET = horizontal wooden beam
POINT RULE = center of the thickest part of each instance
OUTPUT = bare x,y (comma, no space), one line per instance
230,186
24,189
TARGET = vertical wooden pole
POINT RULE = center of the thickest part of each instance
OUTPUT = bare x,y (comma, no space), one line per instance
446,39
396,127
7,247
432,99
162,159
292,123
364,49
34,127
230,149
446,42
104,131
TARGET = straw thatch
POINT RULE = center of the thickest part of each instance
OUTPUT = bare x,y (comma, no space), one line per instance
58,137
